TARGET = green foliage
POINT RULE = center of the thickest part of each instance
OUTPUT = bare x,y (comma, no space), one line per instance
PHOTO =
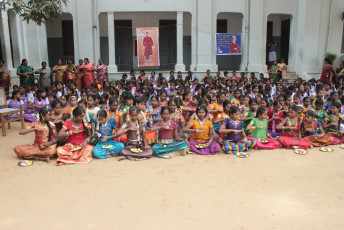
331,56
38,11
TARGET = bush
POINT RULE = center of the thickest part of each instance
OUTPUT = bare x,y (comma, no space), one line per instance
331,56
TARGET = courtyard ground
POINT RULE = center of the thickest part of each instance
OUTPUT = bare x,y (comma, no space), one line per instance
270,190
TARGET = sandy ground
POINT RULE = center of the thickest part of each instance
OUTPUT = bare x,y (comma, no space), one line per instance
270,190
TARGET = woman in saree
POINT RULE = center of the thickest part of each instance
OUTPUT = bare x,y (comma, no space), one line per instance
283,66
291,132
136,146
328,74
59,71
87,72
70,71
102,72
44,146
340,70
45,76
5,76
77,149
25,72
58,118
105,131
79,76
169,144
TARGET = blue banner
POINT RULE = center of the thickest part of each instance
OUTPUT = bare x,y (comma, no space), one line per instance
228,44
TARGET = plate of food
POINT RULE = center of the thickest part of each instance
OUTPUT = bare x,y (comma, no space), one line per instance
326,149
136,150
201,146
300,151
263,140
342,146
75,149
107,146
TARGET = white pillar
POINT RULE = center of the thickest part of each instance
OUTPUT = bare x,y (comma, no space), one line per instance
111,39
19,37
180,63
193,65
6,40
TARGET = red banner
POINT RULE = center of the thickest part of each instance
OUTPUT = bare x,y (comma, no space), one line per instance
148,46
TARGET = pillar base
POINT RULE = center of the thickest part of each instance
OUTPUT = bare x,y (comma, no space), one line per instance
243,67
112,68
257,68
204,68
179,67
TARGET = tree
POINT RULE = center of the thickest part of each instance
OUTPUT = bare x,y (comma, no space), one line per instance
39,11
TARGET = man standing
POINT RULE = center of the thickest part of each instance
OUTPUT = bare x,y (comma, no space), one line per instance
148,45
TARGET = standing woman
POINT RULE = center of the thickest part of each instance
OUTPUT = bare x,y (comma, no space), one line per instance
79,76
25,72
77,148
283,66
88,72
272,53
339,70
59,70
5,76
102,72
45,76
70,71
44,146
328,74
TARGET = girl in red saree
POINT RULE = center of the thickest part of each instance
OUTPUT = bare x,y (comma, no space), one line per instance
44,146
77,149
88,72
291,134
328,74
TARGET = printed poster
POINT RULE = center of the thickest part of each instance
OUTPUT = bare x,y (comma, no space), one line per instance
228,44
148,46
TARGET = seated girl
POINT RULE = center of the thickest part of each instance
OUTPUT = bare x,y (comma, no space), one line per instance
104,130
248,115
275,117
44,146
259,131
291,133
77,149
169,143
73,103
332,124
313,132
236,141
58,118
203,134
136,145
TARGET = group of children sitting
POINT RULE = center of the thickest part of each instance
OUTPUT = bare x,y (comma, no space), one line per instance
140,116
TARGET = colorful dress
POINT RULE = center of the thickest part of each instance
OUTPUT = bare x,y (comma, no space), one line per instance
113,147
273,123
320,116
70,74
202,138
43,103
115,116
233,143
135,141
41,137
101,74
167,147
333,131
65,155
247,113
260,133
316,141
289,138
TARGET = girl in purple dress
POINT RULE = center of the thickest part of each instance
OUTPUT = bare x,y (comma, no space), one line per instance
17,103
40,100
236,141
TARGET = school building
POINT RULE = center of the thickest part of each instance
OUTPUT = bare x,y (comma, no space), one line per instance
303,30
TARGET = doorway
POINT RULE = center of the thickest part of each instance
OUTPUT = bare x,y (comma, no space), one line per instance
124,44
167,43
278,32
